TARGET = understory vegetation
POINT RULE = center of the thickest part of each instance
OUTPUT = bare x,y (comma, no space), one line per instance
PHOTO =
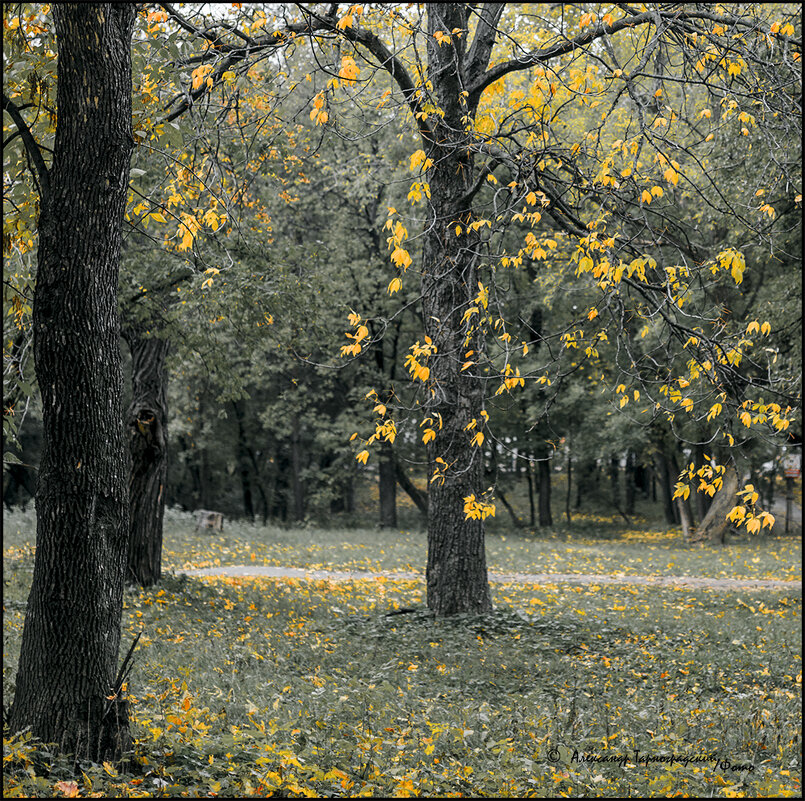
290,687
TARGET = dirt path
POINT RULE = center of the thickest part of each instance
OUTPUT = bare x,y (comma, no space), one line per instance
519,578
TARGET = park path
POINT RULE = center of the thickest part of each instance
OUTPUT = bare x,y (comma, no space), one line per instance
517,578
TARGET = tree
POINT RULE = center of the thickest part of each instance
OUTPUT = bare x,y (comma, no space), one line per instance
66,689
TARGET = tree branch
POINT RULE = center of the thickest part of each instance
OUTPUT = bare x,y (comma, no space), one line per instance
477,57
32,148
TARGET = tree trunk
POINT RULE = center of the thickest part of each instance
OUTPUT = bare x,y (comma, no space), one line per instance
68,658
702,498
544,474
147,424
664,474
387,482
416,495
629,478
297,491
614,482
456,570
567,494
532,520
715,524
244,459
685,521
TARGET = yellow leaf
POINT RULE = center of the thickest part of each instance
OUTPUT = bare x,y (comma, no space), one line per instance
362,456
394,286
681,491
200,74
67,789
428,435
349,69
478,439
467,314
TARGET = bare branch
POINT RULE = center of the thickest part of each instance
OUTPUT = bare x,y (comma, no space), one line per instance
32,148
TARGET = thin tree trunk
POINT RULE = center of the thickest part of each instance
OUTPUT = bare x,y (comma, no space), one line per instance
629,481
68,658
532,520
684,519
544,474
243,458
516,522
419,498
387,486
714,526
567,494
614,482
147,425
297,491
664,475
702,498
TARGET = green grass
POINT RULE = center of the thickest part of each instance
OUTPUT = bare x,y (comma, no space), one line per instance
594,545
260,686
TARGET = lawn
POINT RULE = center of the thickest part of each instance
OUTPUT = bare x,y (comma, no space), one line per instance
289,687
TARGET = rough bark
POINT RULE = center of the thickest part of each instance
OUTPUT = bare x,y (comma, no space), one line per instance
71,638
147,426
456,569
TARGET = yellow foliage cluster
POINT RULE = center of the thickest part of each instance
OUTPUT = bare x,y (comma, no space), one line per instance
361,333
477,509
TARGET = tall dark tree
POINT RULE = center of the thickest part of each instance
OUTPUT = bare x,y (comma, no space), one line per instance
456,571
68,661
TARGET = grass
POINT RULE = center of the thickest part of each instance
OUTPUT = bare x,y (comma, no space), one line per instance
594,545
257,687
